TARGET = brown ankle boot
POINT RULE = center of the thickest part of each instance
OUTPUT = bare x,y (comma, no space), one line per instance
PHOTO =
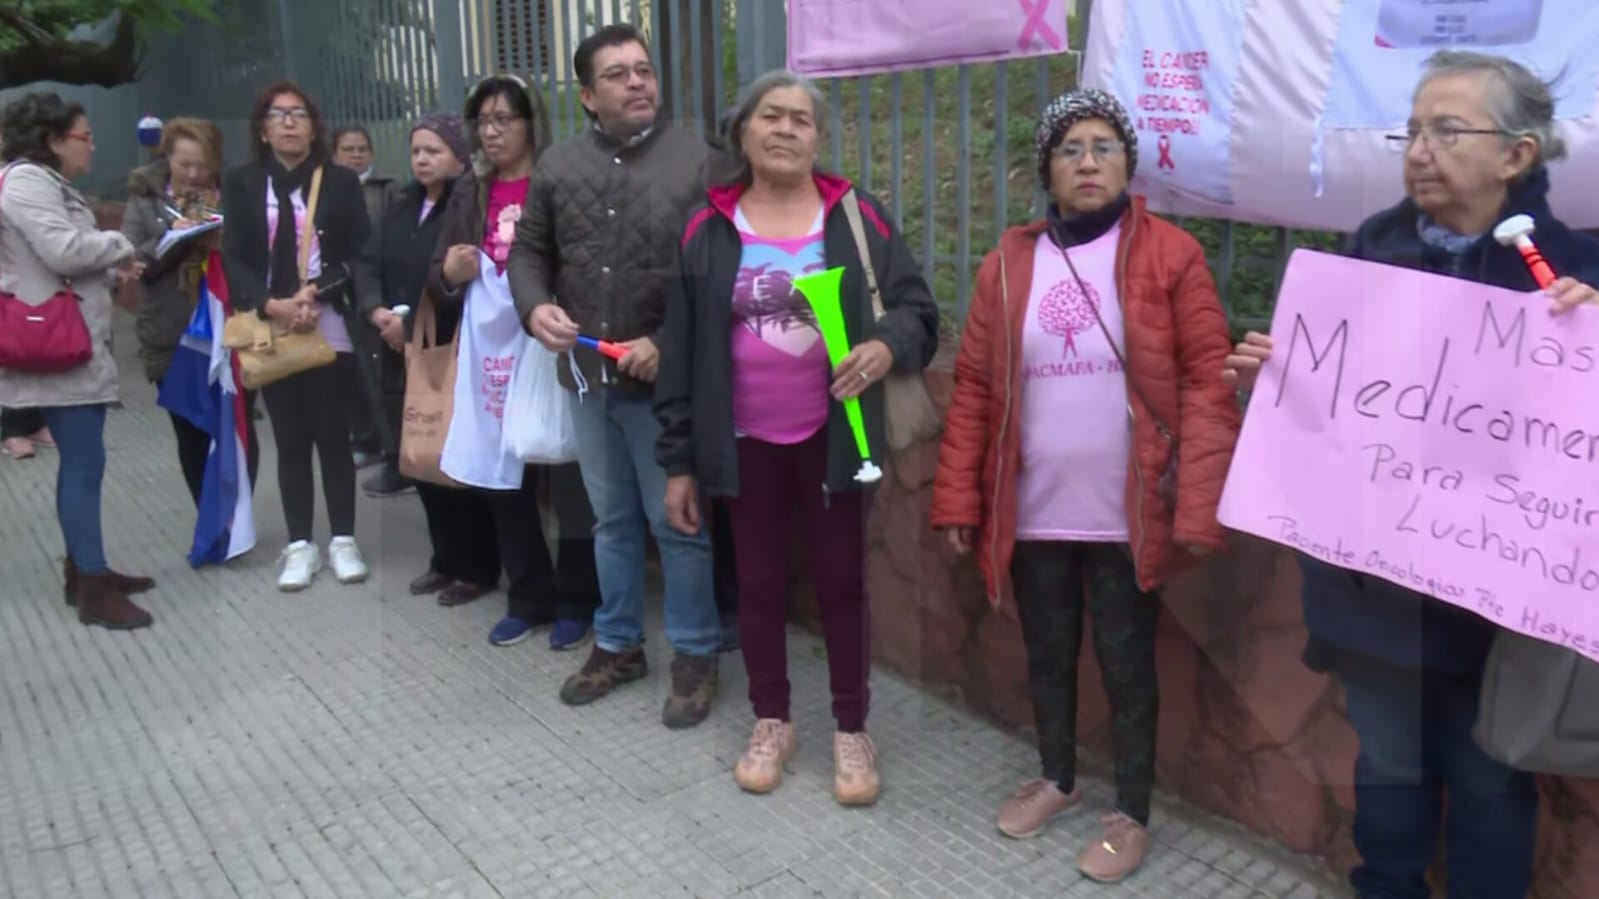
102,601
130,584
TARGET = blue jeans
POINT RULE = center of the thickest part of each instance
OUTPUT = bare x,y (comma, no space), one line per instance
1416,746
79,433
616,452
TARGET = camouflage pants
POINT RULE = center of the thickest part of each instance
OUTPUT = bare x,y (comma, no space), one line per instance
1054,582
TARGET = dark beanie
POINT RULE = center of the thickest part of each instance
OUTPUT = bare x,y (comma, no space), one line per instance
449,128
1075,106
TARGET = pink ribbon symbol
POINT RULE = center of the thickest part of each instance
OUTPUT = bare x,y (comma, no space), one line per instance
1165,161
1034,25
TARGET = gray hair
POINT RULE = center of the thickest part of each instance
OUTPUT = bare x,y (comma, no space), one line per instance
1519,102
777,79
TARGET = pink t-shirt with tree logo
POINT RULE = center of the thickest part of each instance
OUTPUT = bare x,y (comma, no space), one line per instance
1074,427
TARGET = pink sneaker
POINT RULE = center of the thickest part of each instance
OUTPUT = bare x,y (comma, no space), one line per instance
1030,809
855,778
1118,853
18,447
771,746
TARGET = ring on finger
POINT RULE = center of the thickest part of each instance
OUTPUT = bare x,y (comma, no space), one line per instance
865,377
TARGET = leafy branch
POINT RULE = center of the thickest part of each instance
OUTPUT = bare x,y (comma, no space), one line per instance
99,42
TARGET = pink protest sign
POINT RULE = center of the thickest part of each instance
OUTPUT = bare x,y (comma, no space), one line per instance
832,38
1436,433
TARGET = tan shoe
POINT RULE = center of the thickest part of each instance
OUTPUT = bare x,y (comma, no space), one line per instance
18,447
1030,809
855,778
1118,853
760,770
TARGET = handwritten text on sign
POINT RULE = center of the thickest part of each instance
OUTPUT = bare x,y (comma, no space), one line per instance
1433,432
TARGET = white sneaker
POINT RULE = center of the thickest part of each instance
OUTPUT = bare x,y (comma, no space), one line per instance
345,556
300,562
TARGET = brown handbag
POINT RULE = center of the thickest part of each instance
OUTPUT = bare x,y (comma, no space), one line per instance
911,416
429,398
267,351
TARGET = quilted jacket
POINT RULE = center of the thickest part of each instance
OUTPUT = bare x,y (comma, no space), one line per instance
1176,343
600,234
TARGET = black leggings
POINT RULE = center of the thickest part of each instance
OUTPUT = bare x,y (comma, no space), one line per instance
311,411
20,423
1054,583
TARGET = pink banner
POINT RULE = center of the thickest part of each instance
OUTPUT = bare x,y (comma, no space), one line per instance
832,38
1433,432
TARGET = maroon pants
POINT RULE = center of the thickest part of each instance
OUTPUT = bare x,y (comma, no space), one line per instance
776,484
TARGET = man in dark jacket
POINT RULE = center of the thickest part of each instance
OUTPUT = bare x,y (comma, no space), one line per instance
594,249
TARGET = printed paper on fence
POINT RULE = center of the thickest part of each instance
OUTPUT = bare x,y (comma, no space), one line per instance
1313,96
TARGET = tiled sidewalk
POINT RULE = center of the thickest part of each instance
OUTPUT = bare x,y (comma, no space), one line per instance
350,742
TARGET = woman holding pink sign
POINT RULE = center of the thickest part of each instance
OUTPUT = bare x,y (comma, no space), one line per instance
1475,155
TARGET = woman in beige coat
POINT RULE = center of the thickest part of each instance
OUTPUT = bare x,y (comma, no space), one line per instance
48,239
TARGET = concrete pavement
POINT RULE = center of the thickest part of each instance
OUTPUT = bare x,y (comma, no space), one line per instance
350,742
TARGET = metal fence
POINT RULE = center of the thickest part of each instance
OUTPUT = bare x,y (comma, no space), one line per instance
949,150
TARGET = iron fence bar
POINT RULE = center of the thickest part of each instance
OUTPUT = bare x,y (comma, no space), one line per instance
717,50
697,61
1001,149
835,124
1044,96
447,30
896,141
963,187
863,134
929,146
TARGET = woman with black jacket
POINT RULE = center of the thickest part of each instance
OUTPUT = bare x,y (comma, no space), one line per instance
261,257
392,273
751,408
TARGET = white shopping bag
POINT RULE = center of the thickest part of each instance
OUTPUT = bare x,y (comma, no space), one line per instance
491,342
538,415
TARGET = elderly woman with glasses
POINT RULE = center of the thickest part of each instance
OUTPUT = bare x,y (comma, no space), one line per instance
1476,150
1085,449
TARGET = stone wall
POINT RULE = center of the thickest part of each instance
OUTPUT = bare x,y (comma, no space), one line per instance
1246,730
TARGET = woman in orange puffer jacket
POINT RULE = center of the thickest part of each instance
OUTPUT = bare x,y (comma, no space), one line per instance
1085,450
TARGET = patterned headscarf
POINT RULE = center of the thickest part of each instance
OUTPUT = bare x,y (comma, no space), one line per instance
450,129
1075,106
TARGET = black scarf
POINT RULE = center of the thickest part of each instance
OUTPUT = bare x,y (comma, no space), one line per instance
1080,228
285,254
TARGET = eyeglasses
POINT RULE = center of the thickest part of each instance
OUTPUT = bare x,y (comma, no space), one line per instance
1103,149
618,74
278,115
1438,136
497,123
